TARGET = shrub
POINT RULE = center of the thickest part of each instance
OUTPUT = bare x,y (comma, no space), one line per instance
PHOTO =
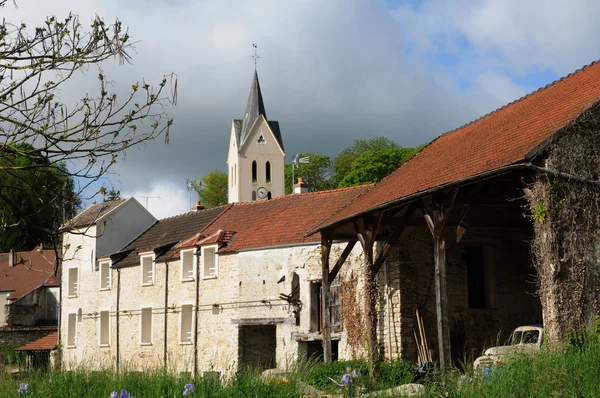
395,373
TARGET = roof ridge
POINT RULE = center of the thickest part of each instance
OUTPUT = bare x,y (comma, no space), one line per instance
524,97
191,212
297,195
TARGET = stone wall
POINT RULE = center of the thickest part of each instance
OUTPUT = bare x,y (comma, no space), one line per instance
412,286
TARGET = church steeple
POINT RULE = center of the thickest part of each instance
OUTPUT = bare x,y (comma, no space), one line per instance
254,108
256,154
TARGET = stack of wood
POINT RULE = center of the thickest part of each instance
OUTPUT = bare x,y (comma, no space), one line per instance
424,354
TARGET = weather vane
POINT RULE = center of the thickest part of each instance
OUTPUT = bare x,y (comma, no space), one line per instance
255,56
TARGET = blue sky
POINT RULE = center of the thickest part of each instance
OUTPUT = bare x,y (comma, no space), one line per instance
332,71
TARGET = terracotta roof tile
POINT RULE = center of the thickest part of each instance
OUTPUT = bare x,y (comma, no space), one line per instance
169,230
501,138
45,343
280,221
31,270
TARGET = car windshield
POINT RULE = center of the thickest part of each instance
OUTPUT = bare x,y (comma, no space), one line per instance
525,337
531,336
516,338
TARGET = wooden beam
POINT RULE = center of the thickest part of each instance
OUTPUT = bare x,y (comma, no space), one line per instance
359,234
338,265
387,248
325,286
439,218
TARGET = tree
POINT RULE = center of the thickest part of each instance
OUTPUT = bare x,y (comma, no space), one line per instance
81,141
342,164
316,173
212,189
26,189
373,166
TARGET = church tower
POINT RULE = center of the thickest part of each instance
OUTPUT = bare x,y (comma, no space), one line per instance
255,160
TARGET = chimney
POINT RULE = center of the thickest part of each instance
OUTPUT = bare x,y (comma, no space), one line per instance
198,206
11,258
301,186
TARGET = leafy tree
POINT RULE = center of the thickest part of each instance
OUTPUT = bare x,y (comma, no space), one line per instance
212,189
26,183
372,166
81,141
342,164
110,195
316,173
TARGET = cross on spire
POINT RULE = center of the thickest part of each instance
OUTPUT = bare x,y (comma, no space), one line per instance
255,56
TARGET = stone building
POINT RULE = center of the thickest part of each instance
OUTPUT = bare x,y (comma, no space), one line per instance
203,292
449,234
29,295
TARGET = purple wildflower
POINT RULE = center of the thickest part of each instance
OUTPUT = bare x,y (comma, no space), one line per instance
23,388
114,394
188,389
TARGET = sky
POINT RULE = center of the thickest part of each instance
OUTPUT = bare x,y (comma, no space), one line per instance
331,71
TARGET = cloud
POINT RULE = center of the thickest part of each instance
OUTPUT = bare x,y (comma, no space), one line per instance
162,198
331,71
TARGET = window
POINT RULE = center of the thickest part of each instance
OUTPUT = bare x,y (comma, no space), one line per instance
146,326
185,324
261,139
51,305
231,176
254,171
188,265
209,262
147,266
480,276
73,284
104,329
105,282
253,196
72,330
268,171
234,173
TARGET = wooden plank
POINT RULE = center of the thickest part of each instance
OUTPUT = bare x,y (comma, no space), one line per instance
338,265
359,234
387,248
263,321
325,311
429,222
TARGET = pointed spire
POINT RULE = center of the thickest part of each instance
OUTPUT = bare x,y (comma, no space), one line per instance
254,108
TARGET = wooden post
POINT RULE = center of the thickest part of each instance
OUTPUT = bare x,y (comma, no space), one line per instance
441,294
437,224
325,310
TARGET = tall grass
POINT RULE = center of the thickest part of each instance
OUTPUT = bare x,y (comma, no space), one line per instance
143,385
571,371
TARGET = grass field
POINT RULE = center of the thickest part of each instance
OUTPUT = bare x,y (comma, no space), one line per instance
572,371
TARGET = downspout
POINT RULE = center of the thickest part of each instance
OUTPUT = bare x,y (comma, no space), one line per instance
387,309
196,317
166,315
117,317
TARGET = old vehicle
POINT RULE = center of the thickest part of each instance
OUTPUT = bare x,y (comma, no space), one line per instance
524,340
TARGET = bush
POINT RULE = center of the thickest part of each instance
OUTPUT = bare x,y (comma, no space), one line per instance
395,373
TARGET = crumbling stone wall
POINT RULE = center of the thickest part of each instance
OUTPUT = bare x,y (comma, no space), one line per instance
412,286
566,217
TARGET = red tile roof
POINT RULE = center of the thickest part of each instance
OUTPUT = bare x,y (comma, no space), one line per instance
280,221
45,343
167,231
501,138
31,270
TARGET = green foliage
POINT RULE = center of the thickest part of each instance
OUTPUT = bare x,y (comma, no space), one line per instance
212,189
395,373
147,384
372,166
342,164
8,355
316,173
318,374
36,197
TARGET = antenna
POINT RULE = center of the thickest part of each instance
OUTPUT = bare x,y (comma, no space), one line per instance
255,56
147,197
190,187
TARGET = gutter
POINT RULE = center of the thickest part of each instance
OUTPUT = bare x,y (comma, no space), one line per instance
117,319
166,315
